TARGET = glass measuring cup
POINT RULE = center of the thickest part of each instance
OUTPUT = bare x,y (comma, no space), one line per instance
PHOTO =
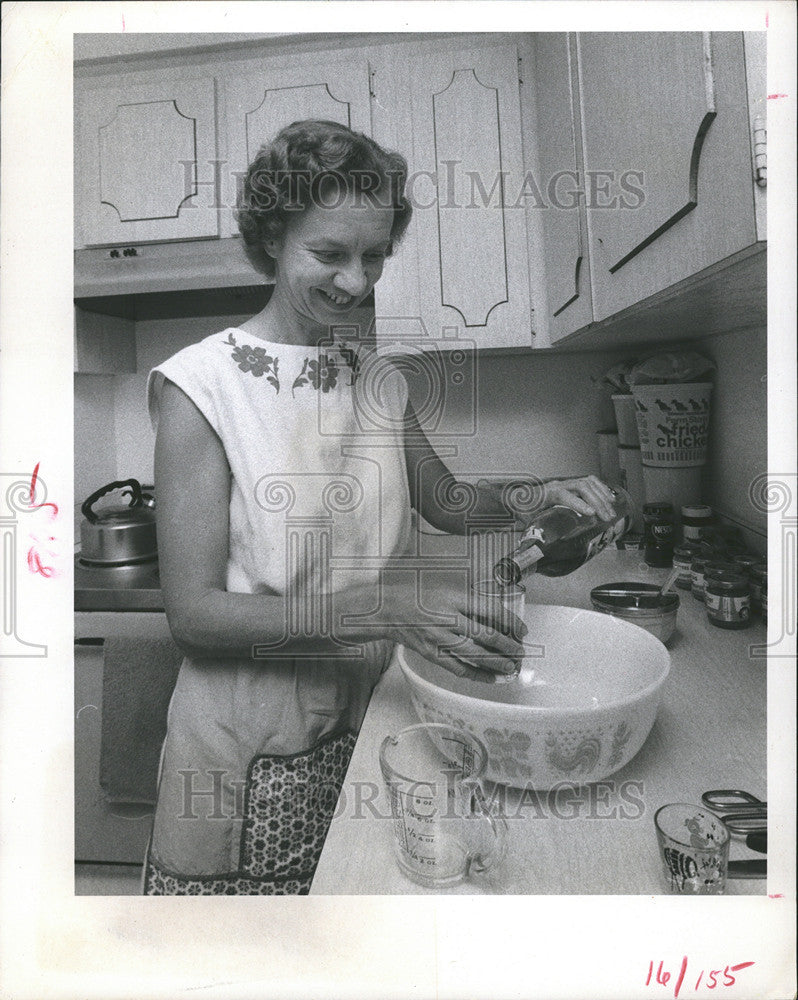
444,831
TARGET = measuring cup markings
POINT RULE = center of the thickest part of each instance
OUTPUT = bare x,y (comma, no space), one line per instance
438,839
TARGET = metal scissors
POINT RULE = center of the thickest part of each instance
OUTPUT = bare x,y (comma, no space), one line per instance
741,812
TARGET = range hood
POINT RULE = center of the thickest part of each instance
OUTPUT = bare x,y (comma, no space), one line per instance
150,280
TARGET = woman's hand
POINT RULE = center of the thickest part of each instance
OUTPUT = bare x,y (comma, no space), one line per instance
585,495
470,635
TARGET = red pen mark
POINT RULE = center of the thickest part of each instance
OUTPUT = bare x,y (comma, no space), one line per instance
775,97
662,976
32,494
35,564
775,895
767,18
680,980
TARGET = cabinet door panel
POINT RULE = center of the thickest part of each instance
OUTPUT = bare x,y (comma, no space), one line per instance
146,163
469,216
560,158
260,103
674,125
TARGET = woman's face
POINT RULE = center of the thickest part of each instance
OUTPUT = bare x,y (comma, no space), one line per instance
330,259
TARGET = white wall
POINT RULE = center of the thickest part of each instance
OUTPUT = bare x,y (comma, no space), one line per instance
537,413
738,428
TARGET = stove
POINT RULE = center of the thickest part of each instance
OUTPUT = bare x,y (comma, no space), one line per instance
118,588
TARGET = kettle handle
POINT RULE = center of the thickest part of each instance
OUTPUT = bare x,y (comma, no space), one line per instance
135,493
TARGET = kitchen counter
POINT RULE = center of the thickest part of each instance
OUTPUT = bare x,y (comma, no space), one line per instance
710,732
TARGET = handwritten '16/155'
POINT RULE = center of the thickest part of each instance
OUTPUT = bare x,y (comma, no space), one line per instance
663,977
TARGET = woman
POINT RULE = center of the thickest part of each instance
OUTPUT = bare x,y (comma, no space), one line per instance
279,514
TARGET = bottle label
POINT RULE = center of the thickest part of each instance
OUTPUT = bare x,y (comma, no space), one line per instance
727,608
608,536
662,531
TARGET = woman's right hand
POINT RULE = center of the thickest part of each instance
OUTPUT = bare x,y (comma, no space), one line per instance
468,634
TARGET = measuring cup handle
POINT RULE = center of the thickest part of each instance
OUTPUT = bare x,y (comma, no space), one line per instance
483,861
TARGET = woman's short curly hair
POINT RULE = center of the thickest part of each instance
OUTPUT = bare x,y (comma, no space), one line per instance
313,163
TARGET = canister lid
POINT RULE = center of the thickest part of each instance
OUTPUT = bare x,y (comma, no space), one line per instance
658,507
697,510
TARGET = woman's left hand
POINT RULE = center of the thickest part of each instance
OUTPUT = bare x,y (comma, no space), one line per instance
585,495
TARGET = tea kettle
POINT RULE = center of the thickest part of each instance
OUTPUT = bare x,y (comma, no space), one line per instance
121,535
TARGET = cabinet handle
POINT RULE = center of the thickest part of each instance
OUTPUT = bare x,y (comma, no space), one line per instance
760,151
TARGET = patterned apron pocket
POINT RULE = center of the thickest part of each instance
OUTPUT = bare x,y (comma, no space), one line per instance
289,806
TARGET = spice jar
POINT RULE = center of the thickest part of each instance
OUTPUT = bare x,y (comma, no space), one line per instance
715,565
758,579
745,563
728,600
697,576
696,522
658,533
683,556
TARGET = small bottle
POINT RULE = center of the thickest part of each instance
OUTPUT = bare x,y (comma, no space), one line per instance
682,560
559,541
658,533
728,600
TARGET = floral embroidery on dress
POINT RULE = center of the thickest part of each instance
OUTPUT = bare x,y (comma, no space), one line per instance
321,374
255,360
353,361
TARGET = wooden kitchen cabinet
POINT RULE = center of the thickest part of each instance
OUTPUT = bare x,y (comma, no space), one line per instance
657,179
259,101
563,212
464,269
667,156
145,158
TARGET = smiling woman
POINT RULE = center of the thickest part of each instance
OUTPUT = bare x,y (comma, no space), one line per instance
279,516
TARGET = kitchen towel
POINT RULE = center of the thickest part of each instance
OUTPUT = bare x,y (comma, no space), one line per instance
139,677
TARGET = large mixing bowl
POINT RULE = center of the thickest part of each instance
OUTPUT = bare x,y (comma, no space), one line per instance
583,707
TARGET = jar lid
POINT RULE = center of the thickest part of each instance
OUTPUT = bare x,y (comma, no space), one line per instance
696,510
727,581
658,507
686,549
760,571
722,566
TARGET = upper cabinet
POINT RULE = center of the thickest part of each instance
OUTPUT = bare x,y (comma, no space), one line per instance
664,184
561,206
673,159
455,114
564,185
145,160
261,99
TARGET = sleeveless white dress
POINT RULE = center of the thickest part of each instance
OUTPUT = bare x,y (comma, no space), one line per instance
257,747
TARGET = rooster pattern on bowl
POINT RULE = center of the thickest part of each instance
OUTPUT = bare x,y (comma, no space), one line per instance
572,753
